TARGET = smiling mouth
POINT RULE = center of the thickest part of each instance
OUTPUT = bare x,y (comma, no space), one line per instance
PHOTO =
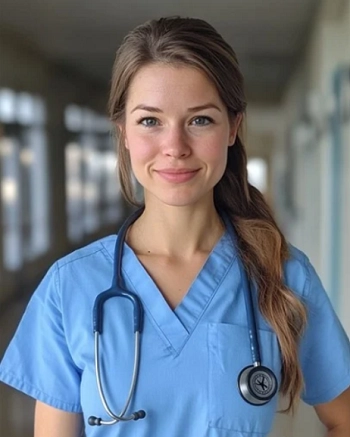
177,176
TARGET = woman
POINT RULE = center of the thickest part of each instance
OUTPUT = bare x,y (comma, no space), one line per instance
204,244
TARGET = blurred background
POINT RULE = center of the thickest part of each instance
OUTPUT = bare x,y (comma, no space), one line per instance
57,162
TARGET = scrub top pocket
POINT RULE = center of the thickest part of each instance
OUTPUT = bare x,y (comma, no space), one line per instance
229,353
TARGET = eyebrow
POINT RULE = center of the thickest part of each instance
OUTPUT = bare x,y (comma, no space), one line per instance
194,109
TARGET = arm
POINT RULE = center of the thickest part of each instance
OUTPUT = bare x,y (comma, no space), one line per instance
51,422
335,415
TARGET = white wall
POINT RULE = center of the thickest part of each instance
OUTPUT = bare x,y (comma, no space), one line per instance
301,140
310,224
310,94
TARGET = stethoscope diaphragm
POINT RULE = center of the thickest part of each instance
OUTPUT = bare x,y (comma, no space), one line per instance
257,384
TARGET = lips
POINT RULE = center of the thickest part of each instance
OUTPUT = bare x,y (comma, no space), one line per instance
177,175
177,170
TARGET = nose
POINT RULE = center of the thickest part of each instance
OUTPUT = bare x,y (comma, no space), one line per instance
176,143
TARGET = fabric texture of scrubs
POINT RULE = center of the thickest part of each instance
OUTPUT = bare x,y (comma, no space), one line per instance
190,357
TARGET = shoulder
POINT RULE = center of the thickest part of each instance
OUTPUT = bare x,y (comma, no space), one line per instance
99,250
300,275
82,272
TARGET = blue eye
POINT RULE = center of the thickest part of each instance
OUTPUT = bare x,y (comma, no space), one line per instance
148,121
202,121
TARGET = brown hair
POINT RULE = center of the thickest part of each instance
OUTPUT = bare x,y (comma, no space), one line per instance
262,247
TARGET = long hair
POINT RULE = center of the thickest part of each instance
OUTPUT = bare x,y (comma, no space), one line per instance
261,245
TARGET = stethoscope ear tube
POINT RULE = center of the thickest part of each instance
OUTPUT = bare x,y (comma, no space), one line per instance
97,421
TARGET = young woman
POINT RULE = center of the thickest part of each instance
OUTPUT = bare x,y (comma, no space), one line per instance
207,313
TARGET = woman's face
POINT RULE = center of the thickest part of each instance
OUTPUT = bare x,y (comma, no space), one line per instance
177,131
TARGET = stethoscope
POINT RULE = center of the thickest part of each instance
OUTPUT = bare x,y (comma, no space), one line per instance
257,384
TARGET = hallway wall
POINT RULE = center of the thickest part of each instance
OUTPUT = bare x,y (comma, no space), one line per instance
309,158
316,109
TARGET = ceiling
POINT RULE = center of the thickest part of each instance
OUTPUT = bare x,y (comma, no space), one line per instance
267,35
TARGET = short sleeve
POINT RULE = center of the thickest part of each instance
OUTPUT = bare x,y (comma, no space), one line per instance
325,348
37,361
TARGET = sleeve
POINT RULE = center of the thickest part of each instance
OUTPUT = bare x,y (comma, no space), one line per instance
37,361
325,347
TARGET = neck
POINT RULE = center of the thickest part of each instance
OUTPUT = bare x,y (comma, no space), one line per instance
176,231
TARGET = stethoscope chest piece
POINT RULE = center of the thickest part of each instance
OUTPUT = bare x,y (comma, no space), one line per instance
257,384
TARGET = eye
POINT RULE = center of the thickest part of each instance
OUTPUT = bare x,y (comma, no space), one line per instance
202,121
148,121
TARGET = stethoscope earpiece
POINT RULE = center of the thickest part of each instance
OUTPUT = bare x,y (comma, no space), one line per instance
257,384
97,421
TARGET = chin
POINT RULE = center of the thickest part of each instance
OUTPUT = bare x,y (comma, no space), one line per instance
182,199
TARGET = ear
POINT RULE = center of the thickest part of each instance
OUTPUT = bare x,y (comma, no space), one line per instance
126,143
235,124
121,131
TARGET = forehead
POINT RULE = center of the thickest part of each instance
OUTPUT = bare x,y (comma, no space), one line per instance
158,84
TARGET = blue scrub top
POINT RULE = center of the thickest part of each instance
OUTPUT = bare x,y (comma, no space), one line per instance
190,357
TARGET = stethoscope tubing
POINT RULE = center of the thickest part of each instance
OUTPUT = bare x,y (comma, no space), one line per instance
248,300
117,289
121,416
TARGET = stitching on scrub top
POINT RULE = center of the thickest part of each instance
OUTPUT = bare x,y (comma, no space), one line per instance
225,239
77,258
33,389
209,301
106,252
169,345
250,433
319,399
58,289
307,285
302,260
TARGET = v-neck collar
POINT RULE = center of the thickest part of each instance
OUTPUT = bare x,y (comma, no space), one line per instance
176,326
207,282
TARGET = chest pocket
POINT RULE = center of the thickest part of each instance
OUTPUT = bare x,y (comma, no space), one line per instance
229,353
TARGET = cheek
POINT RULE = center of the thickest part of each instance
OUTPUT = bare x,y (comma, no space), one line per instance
140,149
214,152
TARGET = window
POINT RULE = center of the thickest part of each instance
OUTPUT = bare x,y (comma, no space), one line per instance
257,173
24,182
92,189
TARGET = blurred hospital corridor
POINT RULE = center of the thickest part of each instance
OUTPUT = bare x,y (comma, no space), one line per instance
58,179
